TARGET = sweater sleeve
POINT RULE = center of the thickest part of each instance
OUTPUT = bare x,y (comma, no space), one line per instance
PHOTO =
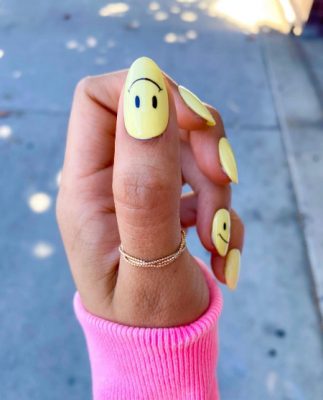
133,363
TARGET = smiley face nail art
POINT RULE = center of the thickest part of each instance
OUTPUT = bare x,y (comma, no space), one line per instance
146,109
221,228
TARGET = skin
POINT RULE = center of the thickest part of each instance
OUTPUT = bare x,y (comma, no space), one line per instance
115,188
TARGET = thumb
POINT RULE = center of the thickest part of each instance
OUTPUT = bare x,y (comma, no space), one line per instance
147,173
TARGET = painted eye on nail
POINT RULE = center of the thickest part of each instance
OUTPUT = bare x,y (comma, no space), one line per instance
137,101
154,99
224,226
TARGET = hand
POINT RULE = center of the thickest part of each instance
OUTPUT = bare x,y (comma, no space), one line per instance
115,188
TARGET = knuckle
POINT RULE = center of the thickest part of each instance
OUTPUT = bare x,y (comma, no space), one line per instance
83,86
243,231
140,191
217,116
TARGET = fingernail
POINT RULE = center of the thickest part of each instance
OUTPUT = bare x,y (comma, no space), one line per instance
146,110
232,268
228,160
221,227
196,105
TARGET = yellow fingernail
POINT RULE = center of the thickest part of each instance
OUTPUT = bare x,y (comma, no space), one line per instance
196,105
228,160
221,227
145,100
232,268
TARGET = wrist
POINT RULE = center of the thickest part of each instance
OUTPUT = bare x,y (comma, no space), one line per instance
174,295
162,355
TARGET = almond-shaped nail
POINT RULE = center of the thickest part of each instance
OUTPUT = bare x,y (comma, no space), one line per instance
227,160
221,227
196,105
232,268
146,109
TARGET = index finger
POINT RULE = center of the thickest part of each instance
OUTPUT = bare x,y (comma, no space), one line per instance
91,131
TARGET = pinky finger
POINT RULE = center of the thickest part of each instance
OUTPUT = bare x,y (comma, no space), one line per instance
227,269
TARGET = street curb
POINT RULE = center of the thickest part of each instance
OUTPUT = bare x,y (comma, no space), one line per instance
299,110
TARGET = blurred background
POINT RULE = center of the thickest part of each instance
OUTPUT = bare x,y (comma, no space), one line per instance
260,62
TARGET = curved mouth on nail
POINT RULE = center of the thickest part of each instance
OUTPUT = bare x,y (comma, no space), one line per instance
219,234
145,79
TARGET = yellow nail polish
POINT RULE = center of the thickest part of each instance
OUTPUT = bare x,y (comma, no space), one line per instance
146,110
196,105
228,160
221,227
232,268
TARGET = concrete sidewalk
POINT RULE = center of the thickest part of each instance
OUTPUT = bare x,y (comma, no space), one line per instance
298,95
268,89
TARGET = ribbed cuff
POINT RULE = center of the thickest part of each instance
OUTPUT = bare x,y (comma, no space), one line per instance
133,363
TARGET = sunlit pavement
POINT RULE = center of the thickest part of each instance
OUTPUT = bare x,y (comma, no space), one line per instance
269,91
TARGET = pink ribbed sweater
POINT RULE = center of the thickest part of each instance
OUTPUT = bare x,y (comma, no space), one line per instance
131,363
